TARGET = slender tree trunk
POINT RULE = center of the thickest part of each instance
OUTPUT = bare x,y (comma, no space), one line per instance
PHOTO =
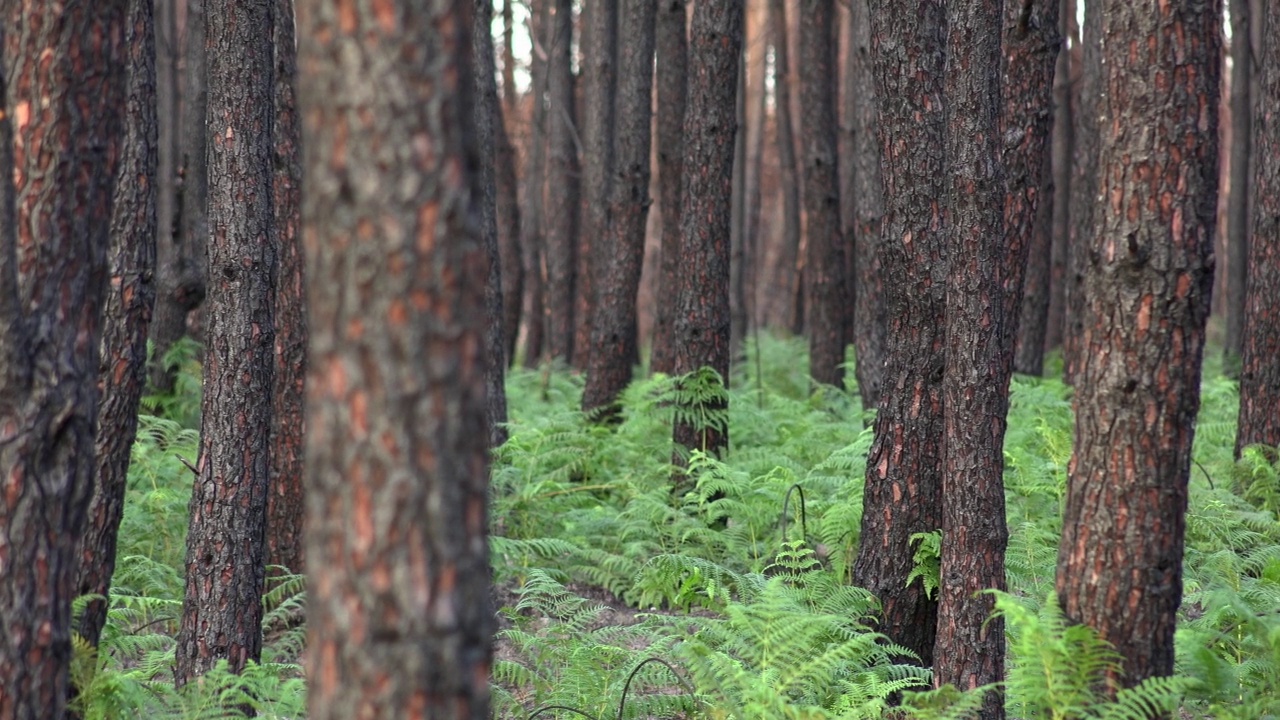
533,240
399,619
1063,140
61,134
1238,184
129,298
1146,302
1084,186
613,338
509,95
701,331
983,260
738,214
788,270
904,468
672,92
222,607
1260,369
507,195
824,269
756,38
169,121
1033,322
562,185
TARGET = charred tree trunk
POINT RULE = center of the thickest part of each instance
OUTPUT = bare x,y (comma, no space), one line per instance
1084,189
562,185
507,189
1033,322
1150,272
672,93
788,271
1063,141
532,239
1238,193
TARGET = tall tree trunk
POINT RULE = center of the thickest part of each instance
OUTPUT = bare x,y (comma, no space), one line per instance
756,39
738,214
562,184
182,274
599,86
1146,301
787,272
488,125
284,498
868,207
904,468
1260,369
825,264
1084,186
61,133
169,121
1238,184
1063,139
507,196
983,261
672,93
399,619
701,331
222,607
509,94
1033,316
533,238
129,298
613,337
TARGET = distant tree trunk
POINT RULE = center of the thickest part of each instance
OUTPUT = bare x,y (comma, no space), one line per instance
181,271
755,53
488,125
169,121
613,338
672,92
222,607
507,197
1084,185
1146,302
824,268
983,260
1238,194
868,199
701,331
738,215
788,270
1031,42
904,468
399,620
562,184
1033,322
532,237
127,306
1063,141
1260,369
509,95
61,132
599,87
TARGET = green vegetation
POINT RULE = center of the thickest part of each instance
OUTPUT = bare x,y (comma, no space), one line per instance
730,598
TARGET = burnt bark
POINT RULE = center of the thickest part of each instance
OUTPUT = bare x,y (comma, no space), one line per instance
672,93
904,478
130,296
787,278
1260,369
1238,184
825,263
222,608
1150,272
61,132
1063,142
1084,189
701,321
1033,320
507,189
399,621
562,185
532,239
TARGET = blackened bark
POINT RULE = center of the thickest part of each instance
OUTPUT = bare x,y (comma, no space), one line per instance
1146,301
969,650
787,282
1084,188
1260,370
613,337
284,499
399,621
562,185
507,189
1238,184
672,49
1063,140
825,301
701,322
62,80
532,238
904,478
1033,322
129,298
222,608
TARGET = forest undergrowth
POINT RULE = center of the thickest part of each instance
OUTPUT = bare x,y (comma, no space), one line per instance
729,596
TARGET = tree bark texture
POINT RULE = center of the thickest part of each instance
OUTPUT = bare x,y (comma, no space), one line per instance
1150,272
1063,139
672,49
1260,367
168,100
701,322
562,185
1084,188
969,650
284,500
130,296
1238,184
400,622
787,275
738,215
222,608
62,80
824,267
507,189
868,200
613,337
904,468
532,237
1033,315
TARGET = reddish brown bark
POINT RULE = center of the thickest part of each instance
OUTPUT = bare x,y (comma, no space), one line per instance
1146,301
672,93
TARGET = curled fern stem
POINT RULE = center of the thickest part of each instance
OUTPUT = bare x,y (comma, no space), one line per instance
786,501
622,704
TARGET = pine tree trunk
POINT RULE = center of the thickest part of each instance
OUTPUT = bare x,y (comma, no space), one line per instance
1063,141
562,185
222,608
672,94
1084,186
1150,271
738,214
509,95
904,478
507,196
1238,184
399,620
61,134
1033,321
532,237
129,299
787,273
169,121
